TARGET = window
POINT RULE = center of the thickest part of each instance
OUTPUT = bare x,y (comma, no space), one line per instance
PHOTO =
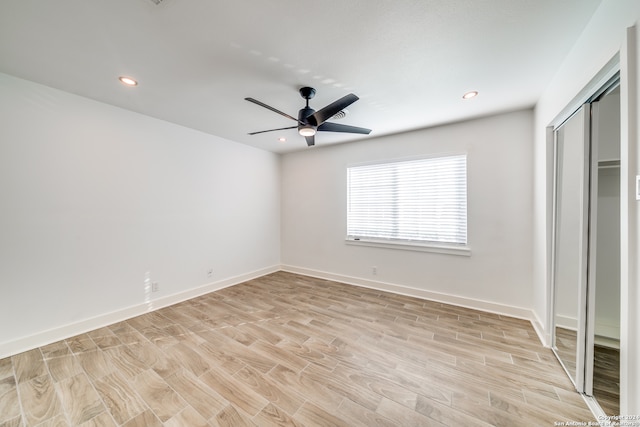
416,202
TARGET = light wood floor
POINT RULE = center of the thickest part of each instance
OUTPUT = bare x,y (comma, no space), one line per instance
606,378
292,350
566,346
606,369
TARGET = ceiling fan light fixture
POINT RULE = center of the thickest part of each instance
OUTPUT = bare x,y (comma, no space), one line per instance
307,130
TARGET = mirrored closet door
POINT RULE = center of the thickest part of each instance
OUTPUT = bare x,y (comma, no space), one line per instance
586,249
572,141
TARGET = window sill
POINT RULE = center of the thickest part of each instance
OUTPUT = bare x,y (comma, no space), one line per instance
410,246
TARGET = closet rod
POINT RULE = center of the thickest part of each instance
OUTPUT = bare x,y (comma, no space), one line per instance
608,164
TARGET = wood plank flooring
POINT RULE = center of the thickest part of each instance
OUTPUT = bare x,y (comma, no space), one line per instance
289,350
606,378
606,369
566,346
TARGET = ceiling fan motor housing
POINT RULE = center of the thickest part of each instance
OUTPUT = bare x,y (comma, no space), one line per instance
303,121
307,92
304,114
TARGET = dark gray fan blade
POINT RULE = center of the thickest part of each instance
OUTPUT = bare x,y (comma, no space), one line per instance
332,109
336,127
271,130
311,140
268,107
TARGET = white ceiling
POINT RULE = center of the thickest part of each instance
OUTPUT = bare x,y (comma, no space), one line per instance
196,60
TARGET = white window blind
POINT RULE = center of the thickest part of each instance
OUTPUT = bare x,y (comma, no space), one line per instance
418,201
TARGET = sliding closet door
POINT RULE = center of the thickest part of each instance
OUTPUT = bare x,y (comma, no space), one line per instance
602,370
593,252
571,242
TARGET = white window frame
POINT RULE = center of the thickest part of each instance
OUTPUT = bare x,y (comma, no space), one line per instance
414,245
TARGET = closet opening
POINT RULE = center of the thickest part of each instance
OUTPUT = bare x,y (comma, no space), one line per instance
586,247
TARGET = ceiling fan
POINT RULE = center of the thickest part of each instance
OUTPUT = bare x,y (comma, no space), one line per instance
311,121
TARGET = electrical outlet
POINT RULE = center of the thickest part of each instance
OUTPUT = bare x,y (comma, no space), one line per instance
374,270
210,272
155,287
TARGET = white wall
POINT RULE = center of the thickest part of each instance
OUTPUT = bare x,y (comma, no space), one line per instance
93,198
602,39
499,215
630,226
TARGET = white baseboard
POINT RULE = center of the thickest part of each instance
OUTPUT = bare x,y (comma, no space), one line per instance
608,331
566,322
543,336
488,306
607,342
59,333
605,334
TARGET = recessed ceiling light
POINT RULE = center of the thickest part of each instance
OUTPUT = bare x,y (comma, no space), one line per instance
470,95
128,81
282,139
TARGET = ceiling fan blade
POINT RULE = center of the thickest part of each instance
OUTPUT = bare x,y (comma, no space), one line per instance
268,107
337,127
272,130
311,140
332,109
